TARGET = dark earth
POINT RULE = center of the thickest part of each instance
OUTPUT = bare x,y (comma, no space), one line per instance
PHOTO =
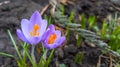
12,11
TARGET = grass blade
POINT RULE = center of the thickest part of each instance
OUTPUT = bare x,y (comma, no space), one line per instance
13,41
8,55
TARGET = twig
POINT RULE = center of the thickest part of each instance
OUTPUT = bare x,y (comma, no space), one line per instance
115,7
44,9
53,3
99,61
110,61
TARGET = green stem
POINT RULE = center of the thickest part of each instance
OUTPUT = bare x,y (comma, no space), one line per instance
45,54
43,59
43,49
33,56
29,57
32,53
49,58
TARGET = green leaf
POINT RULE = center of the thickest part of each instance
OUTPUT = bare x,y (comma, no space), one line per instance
43,58
5,54
25,50
112,37
79,57
67,34
49,58
43,49
116,30
91,20
63,10
71,16
118,37
95,28
83,21
42,62
49,19
62,65
79,40
14,44
107,36
103,31
118,51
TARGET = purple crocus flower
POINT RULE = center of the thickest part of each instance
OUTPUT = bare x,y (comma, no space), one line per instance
53,38
33,29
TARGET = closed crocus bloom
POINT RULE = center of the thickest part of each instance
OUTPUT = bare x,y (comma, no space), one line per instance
53,38
33,29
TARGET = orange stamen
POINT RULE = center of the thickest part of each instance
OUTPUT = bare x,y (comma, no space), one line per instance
52,38
35,29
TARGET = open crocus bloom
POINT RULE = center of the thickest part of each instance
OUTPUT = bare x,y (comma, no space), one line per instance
33,29
52,38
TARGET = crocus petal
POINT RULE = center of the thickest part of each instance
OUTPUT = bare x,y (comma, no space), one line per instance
45,35
36,18
34,40
21,35
57,44
52,28
43,27
58,33
51,46
26,27
59,40
49,31
33,30
62,39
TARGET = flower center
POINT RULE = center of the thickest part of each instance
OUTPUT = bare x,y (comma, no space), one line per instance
52,38
36,27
